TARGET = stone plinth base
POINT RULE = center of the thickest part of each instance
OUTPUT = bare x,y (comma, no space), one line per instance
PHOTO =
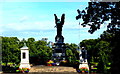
24,65
84,65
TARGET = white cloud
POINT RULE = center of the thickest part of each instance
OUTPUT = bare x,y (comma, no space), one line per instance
1,29
32,26
43,25
23,19
74,25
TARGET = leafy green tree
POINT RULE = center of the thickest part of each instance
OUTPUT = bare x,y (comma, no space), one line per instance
98,51
91,50
95,15
106,36
104,55
5,50
39,51
32,49
10,50
71,53
73,48
21,43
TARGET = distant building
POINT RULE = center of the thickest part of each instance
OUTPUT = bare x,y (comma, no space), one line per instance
44,39
50,44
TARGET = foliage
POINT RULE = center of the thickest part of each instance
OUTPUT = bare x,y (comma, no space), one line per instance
72,54
90,47
10,50
98,51
38,50
98,12
95,16
104,55
9,69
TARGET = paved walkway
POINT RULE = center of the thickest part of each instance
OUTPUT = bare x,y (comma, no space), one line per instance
56,69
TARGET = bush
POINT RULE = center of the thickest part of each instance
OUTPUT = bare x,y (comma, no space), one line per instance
8,69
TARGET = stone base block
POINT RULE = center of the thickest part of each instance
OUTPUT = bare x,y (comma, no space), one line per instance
84,65
24,65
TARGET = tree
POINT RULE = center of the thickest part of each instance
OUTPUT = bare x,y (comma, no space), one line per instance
106,36
104,55
98,51
71,53
91,50
5,50
10,50
70,56
39,51
32,49
21,43
95,15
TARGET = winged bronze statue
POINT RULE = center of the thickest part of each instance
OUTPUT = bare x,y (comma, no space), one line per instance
59,24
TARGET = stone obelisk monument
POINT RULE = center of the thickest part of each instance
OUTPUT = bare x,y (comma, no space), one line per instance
24,57
83,58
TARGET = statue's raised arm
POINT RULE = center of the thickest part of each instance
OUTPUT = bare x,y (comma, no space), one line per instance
62,19
56,19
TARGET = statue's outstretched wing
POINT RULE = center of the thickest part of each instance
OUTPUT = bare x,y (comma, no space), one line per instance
62,19
56,19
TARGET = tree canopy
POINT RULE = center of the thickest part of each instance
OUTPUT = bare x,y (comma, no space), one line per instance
38,50
95,15
98,12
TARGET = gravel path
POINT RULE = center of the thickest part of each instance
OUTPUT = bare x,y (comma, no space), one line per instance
56,69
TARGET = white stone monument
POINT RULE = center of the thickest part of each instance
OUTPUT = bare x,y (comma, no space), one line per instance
24,57
83,58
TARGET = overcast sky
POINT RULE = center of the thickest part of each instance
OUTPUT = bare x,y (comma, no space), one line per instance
36,19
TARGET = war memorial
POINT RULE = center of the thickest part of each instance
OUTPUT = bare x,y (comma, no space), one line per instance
58,55
59,62
59,45
53,64
90,46
59,49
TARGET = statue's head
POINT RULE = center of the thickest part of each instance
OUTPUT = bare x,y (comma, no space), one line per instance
58,21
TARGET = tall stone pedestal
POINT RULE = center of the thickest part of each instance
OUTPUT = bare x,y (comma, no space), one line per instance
24,57
59,49
84,65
